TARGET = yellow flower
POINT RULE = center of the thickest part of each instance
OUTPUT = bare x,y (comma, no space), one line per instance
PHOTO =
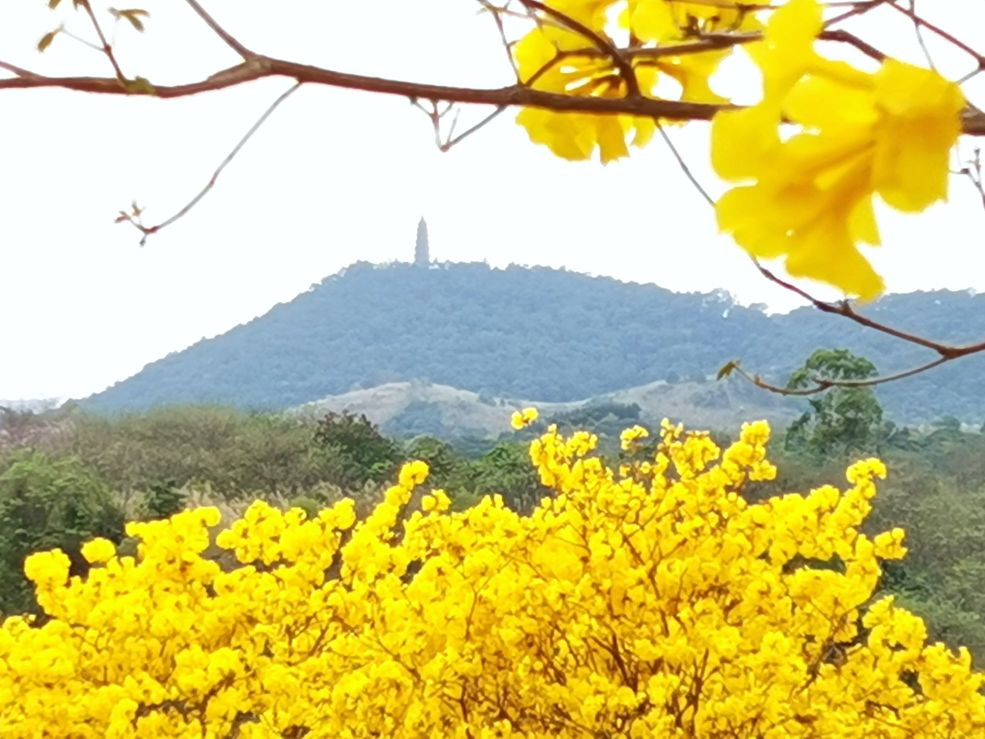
522,419
555,58
47,568
630,436
809,197
98,550
413,474
889,544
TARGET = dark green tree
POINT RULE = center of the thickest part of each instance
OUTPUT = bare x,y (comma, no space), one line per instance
847,418
506,469
355,450
47,503
441,458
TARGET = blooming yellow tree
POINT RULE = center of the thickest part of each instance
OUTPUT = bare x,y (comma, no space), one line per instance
651,600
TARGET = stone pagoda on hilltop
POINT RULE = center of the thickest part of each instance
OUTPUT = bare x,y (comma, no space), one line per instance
422,257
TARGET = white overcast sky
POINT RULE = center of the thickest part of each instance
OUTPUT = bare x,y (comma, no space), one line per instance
336,177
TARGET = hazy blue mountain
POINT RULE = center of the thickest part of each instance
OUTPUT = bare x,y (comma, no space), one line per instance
542,334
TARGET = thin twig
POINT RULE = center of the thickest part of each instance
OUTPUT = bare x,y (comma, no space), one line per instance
844,308
106,49
965,77
951,38
498,20
149,230
825,383
973,171
450,142
19,71
921,41
851,39
860,8
231,41
684,167
79,39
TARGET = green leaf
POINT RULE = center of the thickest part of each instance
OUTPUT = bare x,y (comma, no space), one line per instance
46,40
726,369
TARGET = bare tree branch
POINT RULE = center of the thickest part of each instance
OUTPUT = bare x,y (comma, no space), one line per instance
684,167
19,71
918,32
453,140
844,308
497,17
949,37
261,67
973,171
106,48
134,218
219,31
824,383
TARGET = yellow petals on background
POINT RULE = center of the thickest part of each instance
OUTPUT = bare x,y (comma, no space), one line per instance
653,601
809,198
522,419
556,58
98,550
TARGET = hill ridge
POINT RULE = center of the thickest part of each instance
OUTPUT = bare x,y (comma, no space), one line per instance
544,333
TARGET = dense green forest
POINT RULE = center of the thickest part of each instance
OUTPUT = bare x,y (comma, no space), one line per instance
540,334
66,476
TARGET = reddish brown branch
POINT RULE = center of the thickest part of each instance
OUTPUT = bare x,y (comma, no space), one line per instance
824,383
261,67
105,48
919,21
844,308
19,71
946,352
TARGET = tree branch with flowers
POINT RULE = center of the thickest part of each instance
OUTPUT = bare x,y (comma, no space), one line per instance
594,78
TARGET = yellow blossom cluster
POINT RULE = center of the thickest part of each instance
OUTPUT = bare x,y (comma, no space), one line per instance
557,56
522,419
652,601
809,196
806,171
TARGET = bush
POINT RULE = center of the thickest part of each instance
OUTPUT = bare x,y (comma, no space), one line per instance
653,600
47,503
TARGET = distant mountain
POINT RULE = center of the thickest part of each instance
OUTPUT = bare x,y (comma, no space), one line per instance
539,333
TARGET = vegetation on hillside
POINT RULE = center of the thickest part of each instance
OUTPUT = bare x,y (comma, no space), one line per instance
483,329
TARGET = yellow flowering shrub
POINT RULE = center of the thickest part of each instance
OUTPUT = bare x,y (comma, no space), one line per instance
652,601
